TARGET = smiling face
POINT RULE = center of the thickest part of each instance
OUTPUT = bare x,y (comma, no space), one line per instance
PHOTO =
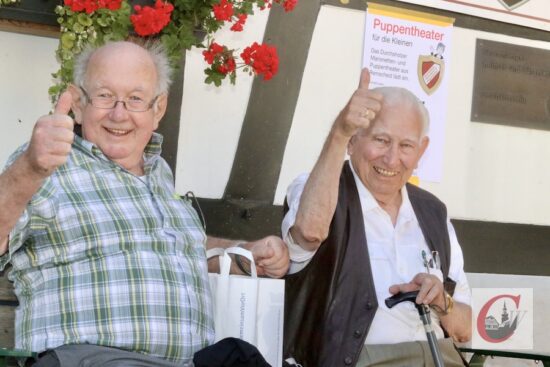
124,71
385,155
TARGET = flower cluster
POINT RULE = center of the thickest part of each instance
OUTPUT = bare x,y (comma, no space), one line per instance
257,59
262,58
148,20
89,6
180,25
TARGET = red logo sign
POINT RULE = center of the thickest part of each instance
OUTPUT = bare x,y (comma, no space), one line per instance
490,329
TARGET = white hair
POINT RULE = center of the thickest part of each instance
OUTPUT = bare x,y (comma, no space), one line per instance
401,97
155,50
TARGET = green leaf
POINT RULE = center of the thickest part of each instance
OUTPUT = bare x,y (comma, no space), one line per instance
213,77
101,21
84,19
78,28
67,40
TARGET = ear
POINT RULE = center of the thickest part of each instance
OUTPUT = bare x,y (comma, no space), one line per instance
159,109
78,103
423,146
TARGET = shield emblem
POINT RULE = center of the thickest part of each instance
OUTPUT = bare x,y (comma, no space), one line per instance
430,72
512,4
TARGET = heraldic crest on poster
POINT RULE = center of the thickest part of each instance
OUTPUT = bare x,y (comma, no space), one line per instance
431,69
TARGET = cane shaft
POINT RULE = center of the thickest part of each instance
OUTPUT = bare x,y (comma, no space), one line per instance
432,339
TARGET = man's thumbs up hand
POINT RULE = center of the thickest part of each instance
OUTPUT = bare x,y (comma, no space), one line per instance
52,138
364,80
361,109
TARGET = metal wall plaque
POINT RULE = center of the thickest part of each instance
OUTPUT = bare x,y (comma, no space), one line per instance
511,85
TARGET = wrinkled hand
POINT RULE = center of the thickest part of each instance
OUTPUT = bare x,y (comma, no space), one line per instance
431,291
51,139
361,109
271,256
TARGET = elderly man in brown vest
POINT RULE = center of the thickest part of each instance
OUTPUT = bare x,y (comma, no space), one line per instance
358,233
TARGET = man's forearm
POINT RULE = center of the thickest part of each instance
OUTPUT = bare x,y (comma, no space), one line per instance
458,323
320,195
17,186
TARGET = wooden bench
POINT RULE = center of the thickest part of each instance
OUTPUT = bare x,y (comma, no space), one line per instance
8,303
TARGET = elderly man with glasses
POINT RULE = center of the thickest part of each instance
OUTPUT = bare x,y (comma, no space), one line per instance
108,263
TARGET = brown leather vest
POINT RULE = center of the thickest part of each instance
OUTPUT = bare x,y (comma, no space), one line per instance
330,304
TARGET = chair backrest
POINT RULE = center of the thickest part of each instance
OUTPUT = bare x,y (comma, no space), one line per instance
8,302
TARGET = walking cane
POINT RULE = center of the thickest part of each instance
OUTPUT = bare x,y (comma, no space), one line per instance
424,312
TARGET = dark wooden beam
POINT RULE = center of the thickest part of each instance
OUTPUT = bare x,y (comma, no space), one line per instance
488,247
35,29
169,126
270,111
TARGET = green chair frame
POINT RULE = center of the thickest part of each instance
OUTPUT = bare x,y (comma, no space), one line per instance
480,355
9,355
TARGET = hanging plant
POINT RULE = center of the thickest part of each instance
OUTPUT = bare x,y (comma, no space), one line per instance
176,23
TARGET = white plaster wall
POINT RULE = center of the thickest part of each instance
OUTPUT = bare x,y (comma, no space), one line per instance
331,75
211,117
26,65
491,172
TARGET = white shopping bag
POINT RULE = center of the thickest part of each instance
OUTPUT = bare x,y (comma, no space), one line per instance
248,307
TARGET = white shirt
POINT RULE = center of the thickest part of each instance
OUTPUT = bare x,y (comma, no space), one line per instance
395,257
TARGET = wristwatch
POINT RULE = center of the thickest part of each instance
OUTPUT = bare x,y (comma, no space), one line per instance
449,303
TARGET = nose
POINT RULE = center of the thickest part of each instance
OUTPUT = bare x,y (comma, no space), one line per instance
391,157
119,112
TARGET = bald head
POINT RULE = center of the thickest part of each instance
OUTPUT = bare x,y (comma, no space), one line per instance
151,55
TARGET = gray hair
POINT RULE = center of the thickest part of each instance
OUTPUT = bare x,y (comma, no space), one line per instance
395,96
155,49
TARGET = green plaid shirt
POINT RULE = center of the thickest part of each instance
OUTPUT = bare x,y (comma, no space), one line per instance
104,257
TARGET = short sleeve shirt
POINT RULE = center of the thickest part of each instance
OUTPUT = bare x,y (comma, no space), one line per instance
102,256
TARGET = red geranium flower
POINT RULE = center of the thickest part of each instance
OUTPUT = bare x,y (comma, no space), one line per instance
262,58
148,20
89,6
213,51
267,5
238,25
223,11
228,65
288,5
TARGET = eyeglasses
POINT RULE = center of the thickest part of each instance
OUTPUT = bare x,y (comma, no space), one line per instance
107,102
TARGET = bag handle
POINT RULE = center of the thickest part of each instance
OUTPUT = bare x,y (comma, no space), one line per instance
225,259
216,251
239,251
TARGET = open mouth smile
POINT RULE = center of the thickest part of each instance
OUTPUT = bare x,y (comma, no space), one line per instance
118,132
385,172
